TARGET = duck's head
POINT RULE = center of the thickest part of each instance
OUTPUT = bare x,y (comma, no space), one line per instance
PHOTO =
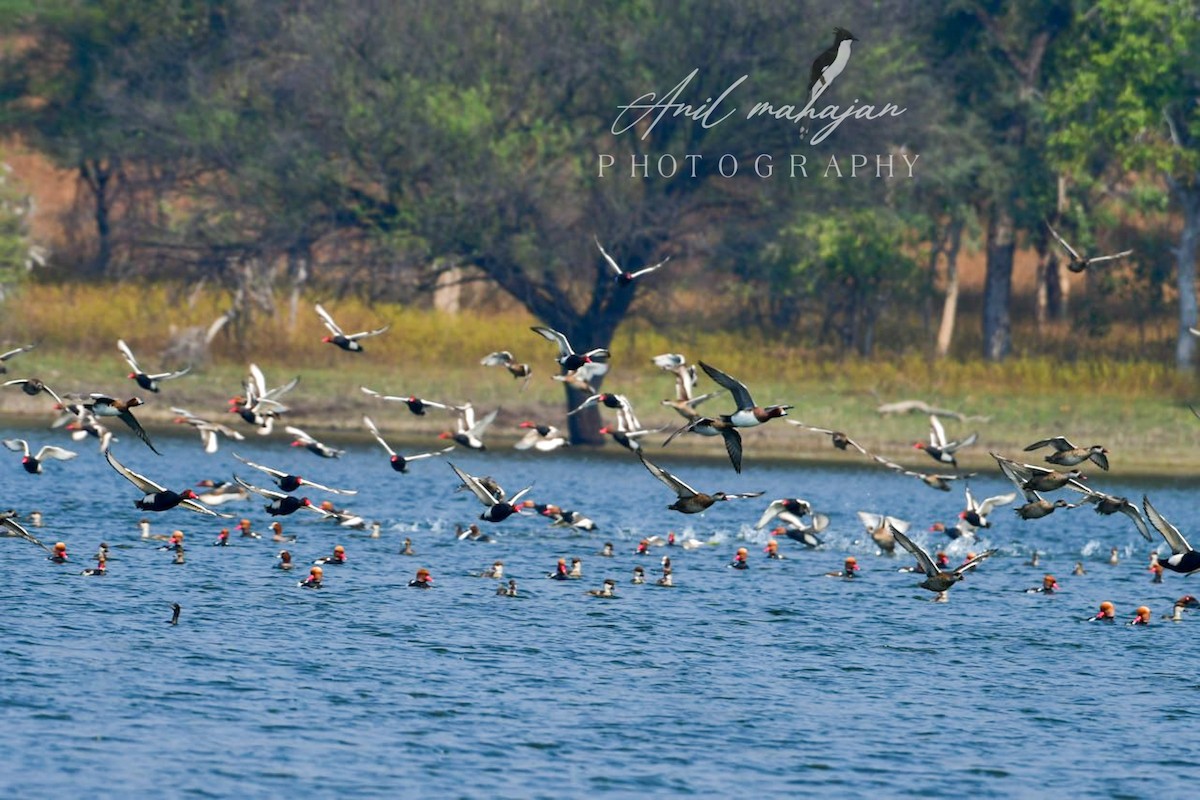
1187,601
1107,610
1050,582
423,575
943,560
339,550
851,564
188,494
919,445
445,435
285,556
939,527
60,548
1143,613
316,572
326,339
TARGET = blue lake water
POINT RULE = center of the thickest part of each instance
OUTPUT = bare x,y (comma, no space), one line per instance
774,681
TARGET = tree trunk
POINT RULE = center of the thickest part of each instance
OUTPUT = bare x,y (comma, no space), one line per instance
96,175
997,290
1185,267
945,333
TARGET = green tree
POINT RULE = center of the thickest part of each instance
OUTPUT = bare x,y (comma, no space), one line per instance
1127,100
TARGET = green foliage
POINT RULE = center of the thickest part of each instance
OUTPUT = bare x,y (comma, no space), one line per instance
16,250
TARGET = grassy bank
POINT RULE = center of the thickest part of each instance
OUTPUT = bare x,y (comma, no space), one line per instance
1139,410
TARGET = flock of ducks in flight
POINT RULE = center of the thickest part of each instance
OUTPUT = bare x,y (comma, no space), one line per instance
261,407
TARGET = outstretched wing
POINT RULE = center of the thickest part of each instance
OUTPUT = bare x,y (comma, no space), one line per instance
741,395
57,453
564,347
923,559
19,530
1113,257
19,445
476,487
937,434
1059,443
1063,242
974,562
616,268
129,359
270,494
647,271
333,327
1174,538
277,473
144,484
674,484
375,432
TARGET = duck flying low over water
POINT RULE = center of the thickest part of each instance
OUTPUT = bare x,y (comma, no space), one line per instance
85,424
689,501
143,379
686,399
497,510
346,341
630,440
470,431
503,358
1040,479
282,504
624,277
1035,506
33,463
881,528
290,483
840,440
312,445
543,438
16,351
399,462
220,492
713,426
1079,263
976,513
568,359
936,579
156,497
939,449
1107,504
259,406
1183,558
791,511
620,403
748,413
1068,455
208,430
417,405
105,406
930,479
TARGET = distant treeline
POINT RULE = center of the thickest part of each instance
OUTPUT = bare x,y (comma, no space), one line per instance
378,147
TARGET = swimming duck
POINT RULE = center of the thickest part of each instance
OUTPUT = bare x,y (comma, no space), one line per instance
423,580
312,445
1049,586
156,497
33,463
606,551
624,277
939,448
290,483
148,382
496,570
503,358
285,560
1142,616
881,528
277,533
1068,455
508,591
1107,613
59,554
470,432
1187,601
606,591
665,580
561,573
576,569
1113,557
1157,569
338,556
689,500
282,504
346,341
937,580
222,538
244,527
314,579
772,550
1080,263
99,570
1183,558
175,609
497,510
639,575
400,463
740,559
849,567
568,359
1079,570
407,549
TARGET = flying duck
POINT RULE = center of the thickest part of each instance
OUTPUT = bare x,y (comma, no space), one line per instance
156,497
33,464
148,382
1078,262
689,500
312,445
881,528
503,358
470,432
1068,455
104,406
4,357
347,341
400,463
497,510
208,430
938,580
938,448
288,482
569,359
1183,558
932,480
625,277
543,438
840,440
282,504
